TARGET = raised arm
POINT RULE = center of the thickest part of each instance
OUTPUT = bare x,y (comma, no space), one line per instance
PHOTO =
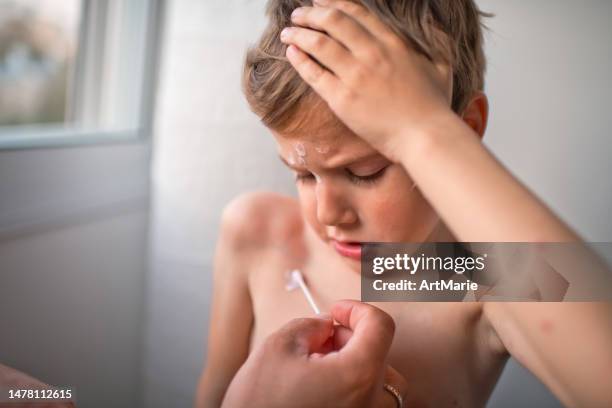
568,346
399,102
478,199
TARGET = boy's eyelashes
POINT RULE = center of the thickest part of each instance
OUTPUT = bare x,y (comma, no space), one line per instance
354,178
369,178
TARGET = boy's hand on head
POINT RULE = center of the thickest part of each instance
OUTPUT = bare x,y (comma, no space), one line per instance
383,90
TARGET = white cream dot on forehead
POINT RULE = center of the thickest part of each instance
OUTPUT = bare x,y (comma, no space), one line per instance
300,149
324,149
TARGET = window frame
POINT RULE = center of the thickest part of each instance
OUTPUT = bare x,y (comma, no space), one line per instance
84,99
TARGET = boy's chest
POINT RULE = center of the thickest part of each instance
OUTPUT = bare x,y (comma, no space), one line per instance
440,348
423,330
435,346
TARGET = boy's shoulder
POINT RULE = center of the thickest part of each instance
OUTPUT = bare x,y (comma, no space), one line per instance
258,220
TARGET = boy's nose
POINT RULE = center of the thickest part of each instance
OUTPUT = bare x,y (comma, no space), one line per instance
333,207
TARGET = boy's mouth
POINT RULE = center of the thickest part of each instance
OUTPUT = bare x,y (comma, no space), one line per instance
348,249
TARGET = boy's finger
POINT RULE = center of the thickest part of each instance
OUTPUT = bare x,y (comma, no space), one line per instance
321,47
337,24
365,18
321,80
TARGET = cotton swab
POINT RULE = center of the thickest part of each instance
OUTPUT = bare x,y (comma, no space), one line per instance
295,280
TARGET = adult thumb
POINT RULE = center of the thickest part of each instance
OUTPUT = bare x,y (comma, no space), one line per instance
370,331
303,336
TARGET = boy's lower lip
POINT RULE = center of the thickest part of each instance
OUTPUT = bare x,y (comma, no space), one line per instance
348,249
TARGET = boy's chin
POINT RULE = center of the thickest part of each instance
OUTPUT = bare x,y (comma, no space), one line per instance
353,264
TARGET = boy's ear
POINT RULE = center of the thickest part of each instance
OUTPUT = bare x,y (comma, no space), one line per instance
476,113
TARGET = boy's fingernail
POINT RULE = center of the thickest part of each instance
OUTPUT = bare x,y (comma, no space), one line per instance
285,33
297,12
291,51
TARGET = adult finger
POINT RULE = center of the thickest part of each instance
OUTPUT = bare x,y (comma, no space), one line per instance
394,383
321,47
372,331
302,336
341,336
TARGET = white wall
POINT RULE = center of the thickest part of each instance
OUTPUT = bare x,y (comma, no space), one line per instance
548,84
73,243
549,87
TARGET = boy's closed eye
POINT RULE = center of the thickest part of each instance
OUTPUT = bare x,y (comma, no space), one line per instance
356,176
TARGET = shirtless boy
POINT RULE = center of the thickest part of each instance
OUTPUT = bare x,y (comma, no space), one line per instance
378,108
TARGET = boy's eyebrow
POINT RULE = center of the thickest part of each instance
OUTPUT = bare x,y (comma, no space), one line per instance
347,162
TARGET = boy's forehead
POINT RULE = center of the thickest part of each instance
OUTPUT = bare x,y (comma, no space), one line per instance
327,148
315,124
314,134
324,139
316,129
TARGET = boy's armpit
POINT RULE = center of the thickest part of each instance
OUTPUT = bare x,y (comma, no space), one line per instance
488,331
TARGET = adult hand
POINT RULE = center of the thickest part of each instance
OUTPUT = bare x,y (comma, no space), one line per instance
312,363
11,379
380,88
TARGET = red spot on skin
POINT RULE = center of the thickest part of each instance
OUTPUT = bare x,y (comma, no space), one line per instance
546,326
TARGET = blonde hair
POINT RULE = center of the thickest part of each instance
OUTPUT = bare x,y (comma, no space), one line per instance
450,30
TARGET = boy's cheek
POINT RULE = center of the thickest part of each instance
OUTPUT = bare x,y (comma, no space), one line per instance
396,214
308,206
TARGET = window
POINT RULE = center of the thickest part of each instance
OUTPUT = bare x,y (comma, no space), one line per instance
75,71
38,45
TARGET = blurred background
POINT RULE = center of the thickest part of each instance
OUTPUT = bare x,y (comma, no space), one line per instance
123,133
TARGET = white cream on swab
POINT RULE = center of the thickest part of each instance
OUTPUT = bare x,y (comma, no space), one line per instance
297,280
